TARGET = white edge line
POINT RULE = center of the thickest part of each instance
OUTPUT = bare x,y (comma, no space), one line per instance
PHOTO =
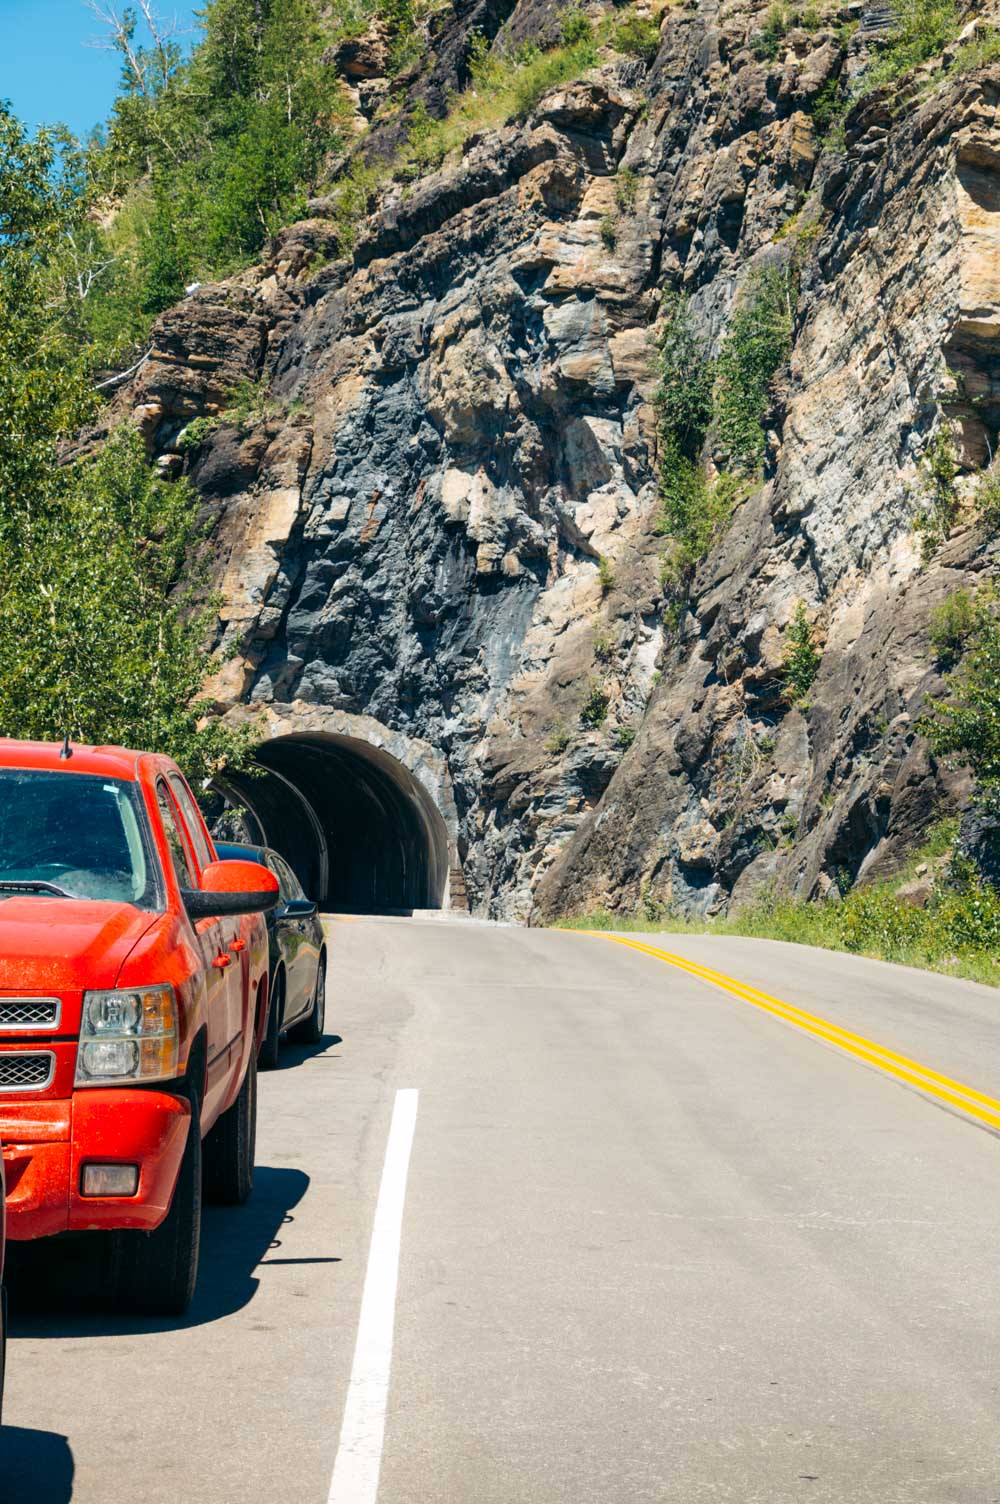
362,1435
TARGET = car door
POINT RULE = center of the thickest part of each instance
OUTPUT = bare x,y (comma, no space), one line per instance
212,936
296,940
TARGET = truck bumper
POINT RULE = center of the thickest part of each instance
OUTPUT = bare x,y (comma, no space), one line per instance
47,1146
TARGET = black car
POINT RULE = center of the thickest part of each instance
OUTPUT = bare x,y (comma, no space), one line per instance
298,956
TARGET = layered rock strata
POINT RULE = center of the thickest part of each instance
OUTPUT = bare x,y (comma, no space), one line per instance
441,517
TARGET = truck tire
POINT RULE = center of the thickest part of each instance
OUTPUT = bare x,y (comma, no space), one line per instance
267,1060
310,1030
230,1147
155,1273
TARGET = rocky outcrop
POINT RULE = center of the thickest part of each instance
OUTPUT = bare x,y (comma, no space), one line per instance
812,801
443,516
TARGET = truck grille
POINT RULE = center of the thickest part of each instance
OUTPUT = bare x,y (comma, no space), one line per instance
29,1013
22,1071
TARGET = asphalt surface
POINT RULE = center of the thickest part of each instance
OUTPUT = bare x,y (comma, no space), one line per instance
657,1245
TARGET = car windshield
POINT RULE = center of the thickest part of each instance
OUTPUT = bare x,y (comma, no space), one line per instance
78,835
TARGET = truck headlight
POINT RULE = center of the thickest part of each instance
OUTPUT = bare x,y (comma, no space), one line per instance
128,1034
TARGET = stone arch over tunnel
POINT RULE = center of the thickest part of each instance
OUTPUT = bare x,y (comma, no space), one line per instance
361,831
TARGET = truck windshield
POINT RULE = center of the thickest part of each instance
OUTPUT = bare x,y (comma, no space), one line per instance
77,834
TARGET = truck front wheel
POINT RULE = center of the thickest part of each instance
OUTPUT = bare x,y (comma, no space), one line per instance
154,1273
231,1146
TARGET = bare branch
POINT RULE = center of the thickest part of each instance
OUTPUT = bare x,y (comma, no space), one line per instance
121,40
122,375
163,33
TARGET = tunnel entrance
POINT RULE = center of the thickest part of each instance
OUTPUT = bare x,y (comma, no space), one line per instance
361,832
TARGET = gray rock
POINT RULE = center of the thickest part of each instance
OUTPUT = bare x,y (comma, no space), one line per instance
410,543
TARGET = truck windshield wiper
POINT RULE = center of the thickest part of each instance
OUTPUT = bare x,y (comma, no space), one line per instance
31,885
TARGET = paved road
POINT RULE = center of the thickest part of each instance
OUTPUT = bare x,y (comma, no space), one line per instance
658,1245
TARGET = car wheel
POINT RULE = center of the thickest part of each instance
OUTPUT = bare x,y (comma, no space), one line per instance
267,1060
310,1030
154,1273
230,1148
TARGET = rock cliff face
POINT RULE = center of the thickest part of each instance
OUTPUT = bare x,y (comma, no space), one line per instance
435,533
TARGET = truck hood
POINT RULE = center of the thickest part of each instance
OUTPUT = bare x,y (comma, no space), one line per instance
51,946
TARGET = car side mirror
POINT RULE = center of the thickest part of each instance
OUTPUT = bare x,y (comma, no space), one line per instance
299,908
232,888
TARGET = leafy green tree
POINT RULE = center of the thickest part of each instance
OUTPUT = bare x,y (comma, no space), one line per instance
42,393
203,158
99,637
165,260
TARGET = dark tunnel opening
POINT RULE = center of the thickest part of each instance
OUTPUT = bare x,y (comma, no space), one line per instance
361,832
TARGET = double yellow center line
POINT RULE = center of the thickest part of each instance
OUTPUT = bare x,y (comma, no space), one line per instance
974,1104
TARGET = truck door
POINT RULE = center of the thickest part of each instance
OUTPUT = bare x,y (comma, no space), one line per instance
231,927
213,937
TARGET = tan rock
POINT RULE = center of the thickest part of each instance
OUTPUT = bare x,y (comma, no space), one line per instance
469,391
917,893
633,358
977,195
697,844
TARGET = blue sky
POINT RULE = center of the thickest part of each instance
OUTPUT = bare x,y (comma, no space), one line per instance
48,72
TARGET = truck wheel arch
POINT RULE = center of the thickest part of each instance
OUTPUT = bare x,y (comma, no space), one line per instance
194,1076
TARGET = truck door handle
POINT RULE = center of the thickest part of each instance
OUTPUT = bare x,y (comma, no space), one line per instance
222,962
238,945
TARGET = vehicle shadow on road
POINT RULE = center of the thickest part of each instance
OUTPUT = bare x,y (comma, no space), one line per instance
58,1288
35,1465
295,1054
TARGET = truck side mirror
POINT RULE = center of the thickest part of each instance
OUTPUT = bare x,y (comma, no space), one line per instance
232,888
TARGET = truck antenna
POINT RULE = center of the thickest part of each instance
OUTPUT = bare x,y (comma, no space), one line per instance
67,752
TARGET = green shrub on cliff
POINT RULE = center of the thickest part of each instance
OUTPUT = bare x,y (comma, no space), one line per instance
594,711
637,36
538,72
683,402
778,21
952,624
921,29
801,656
978,52
505,85
576,27
728,397
684,394
757,343
986,500
937,468
966,723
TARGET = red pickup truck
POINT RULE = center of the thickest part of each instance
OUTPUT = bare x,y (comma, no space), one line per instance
133,991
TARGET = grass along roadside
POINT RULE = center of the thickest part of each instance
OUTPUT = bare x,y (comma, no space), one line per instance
957,932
